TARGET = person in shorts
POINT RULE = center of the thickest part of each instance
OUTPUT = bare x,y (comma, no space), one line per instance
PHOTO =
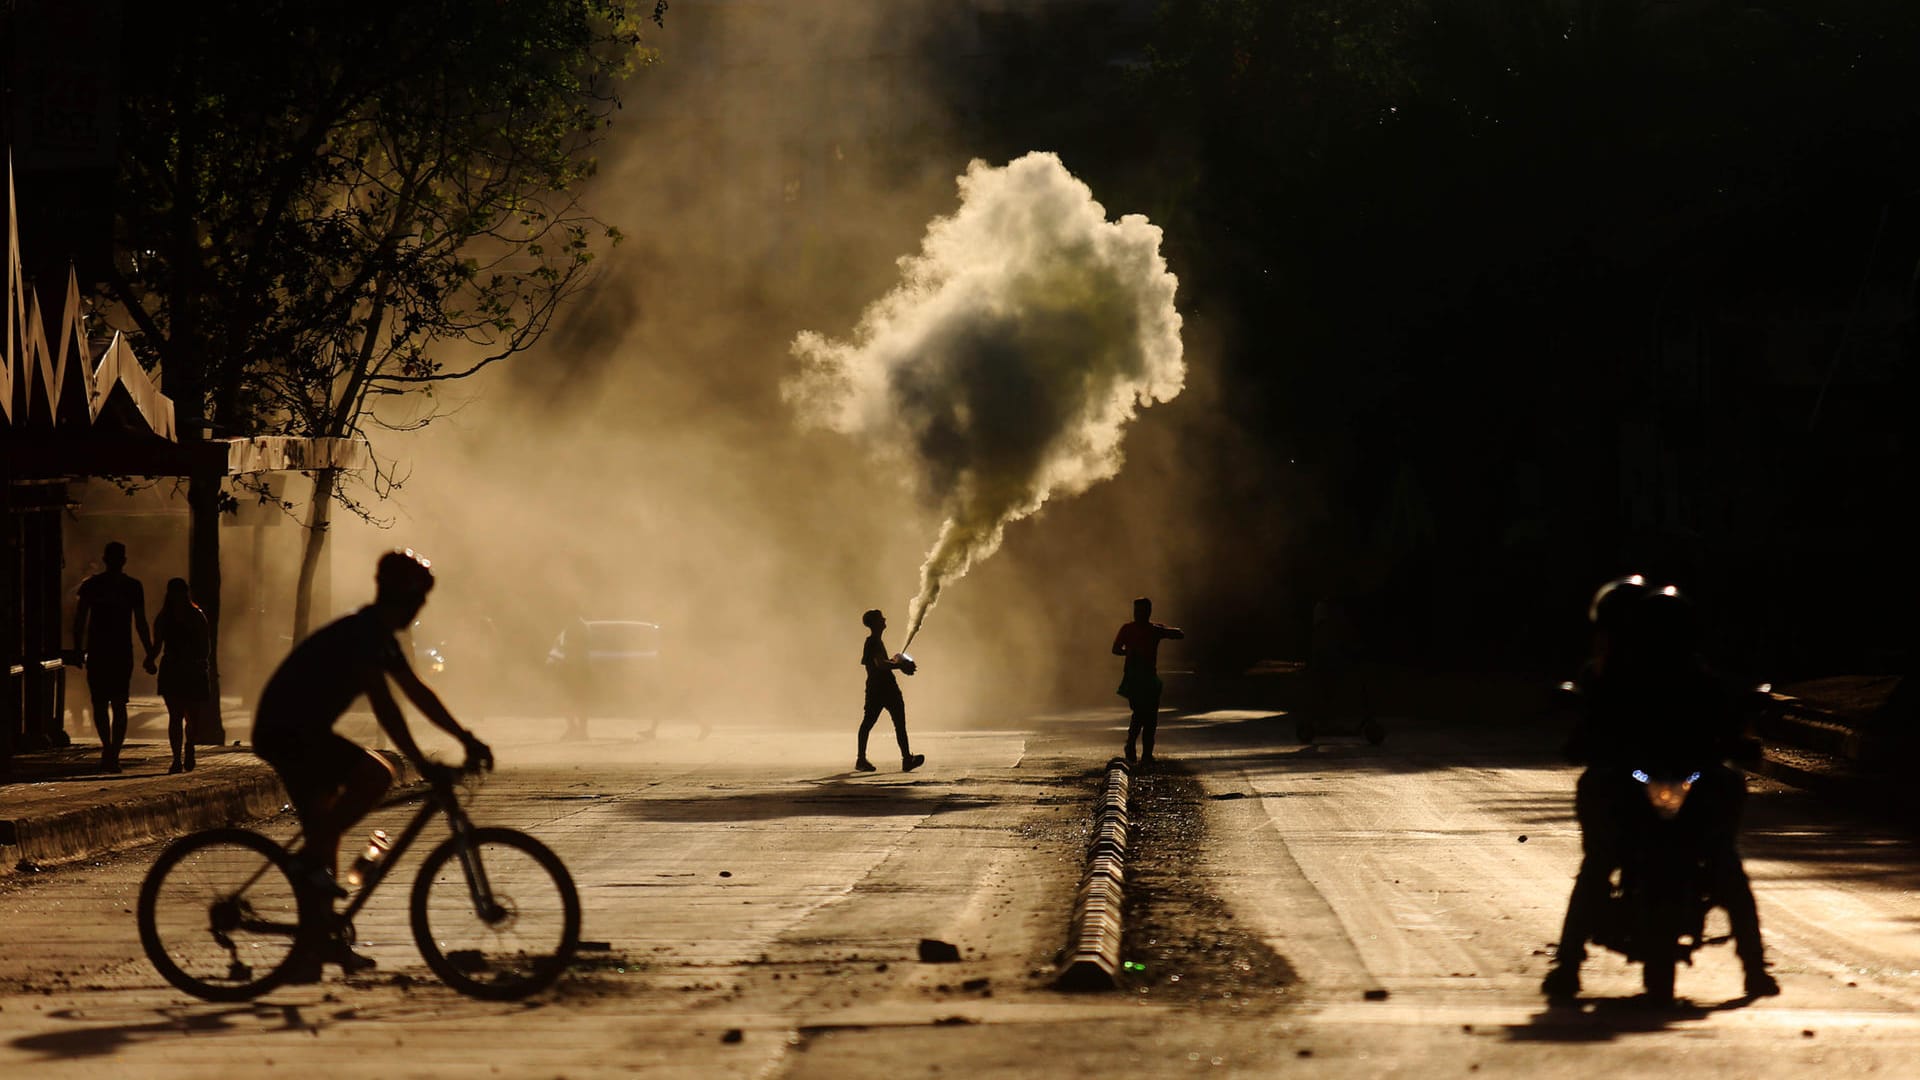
334,782
883,694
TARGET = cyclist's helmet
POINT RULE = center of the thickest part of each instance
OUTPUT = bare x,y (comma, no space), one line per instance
1611,602
1667,624
403,572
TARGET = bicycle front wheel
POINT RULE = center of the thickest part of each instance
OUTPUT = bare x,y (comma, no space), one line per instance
497,917
219,915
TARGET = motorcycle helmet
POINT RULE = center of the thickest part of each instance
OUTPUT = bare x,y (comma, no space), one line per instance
1611,601
403,572
1666,624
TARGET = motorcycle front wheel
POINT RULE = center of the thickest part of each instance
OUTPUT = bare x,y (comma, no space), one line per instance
1656,973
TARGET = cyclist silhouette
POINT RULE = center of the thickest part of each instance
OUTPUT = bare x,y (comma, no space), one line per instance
333,781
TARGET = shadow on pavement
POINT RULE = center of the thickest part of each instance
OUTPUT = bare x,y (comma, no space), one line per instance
1603,1019
854,800
1793,826
1268,740
102,1040
423,1000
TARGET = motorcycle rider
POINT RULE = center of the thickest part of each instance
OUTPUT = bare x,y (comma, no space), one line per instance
1650,700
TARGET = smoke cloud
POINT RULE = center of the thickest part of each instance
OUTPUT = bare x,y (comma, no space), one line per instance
1004,367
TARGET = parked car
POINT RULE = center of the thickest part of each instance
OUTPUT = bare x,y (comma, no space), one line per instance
607,667
481,668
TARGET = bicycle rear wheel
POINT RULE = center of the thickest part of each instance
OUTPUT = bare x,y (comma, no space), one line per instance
219,915
502,925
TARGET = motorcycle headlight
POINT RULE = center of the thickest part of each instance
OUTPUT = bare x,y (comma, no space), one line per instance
1666,796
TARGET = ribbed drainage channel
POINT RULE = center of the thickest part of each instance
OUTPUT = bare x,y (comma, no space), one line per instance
1093,959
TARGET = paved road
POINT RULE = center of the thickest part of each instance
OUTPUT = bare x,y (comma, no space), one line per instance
1278,883
1436,868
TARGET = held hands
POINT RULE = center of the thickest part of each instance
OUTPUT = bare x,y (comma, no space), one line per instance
152,668
905,663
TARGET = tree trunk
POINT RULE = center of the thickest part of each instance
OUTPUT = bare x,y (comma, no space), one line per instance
185,360
319,516
203,574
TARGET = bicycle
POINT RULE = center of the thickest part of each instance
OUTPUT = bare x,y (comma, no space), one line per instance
226,914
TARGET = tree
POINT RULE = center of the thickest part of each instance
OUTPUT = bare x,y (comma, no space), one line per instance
1461,234
317,203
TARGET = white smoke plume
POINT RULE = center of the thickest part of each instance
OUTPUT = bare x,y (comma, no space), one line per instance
1004,367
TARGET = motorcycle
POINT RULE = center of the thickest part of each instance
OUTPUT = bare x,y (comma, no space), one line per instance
1672,832
1674,816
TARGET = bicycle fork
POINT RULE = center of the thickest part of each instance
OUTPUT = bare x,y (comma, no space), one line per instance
478,887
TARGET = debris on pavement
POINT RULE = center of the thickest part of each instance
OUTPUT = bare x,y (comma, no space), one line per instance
935,951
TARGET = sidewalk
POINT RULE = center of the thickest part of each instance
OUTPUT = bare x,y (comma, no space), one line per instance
1838,738
58,806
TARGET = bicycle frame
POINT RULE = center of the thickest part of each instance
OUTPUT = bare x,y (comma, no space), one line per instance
486,951
440,800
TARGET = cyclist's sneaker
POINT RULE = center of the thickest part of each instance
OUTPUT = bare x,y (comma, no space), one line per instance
912,762
353,963
863,765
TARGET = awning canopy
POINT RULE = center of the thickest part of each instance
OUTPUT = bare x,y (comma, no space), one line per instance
91,453
62,413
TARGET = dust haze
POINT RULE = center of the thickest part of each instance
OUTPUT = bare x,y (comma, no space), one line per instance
769,172
1006,365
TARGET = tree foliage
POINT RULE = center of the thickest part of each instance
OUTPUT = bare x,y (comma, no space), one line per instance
318,202
1453,239
322,205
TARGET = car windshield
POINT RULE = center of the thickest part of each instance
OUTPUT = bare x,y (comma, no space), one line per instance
623,637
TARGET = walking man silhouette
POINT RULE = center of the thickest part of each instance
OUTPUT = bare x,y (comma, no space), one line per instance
1139,641
883,693
110,603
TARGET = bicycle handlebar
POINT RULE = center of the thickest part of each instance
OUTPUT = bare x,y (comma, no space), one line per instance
442,775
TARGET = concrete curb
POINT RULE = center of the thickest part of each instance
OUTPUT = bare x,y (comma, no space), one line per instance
1837,780
1803,724
1094,940
95,829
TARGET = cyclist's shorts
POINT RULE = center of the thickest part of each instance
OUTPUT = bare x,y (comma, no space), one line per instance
310,764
